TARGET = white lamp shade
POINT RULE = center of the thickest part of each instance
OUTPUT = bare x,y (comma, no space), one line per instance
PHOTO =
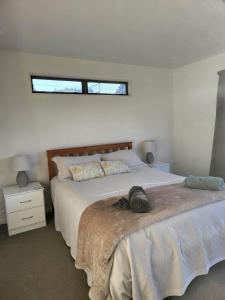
149,146
20,163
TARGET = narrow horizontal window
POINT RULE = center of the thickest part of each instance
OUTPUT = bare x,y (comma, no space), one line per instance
107,88
42,84
55,85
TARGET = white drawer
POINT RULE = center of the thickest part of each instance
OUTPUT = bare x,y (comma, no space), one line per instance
26,217
24,201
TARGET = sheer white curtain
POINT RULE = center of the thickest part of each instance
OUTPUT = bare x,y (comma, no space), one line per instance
217,167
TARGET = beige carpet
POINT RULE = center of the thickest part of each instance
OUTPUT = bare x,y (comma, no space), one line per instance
37,265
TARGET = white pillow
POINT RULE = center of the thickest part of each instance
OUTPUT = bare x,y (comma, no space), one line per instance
64,162
128,156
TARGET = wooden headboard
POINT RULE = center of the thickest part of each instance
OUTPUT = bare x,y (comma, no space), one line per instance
87,150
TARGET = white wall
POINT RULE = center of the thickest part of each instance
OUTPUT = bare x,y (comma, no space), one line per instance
195,93
32,123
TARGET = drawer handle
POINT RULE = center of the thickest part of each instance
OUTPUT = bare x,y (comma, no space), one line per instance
27,218
25,201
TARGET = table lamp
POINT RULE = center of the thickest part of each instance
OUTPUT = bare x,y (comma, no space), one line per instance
21,164
149,150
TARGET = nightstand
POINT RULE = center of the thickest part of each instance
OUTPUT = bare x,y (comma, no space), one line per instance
25,209
162,166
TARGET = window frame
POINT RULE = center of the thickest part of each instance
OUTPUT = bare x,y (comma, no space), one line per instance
84,85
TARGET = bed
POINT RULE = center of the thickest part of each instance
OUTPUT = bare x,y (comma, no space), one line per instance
152,263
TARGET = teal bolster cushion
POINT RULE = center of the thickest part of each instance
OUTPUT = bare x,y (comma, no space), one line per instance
204,183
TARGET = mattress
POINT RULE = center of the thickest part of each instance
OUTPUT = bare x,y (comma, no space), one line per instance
155,262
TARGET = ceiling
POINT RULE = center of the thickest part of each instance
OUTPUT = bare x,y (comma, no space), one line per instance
162,33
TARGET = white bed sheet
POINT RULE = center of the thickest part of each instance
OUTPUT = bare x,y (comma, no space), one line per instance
70,198
157,261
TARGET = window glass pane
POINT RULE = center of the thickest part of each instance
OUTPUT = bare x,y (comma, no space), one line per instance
56,86
107,88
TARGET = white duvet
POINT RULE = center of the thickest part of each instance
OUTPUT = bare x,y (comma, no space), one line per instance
157,261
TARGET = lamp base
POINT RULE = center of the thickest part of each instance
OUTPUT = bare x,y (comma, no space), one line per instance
150,158
22,179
